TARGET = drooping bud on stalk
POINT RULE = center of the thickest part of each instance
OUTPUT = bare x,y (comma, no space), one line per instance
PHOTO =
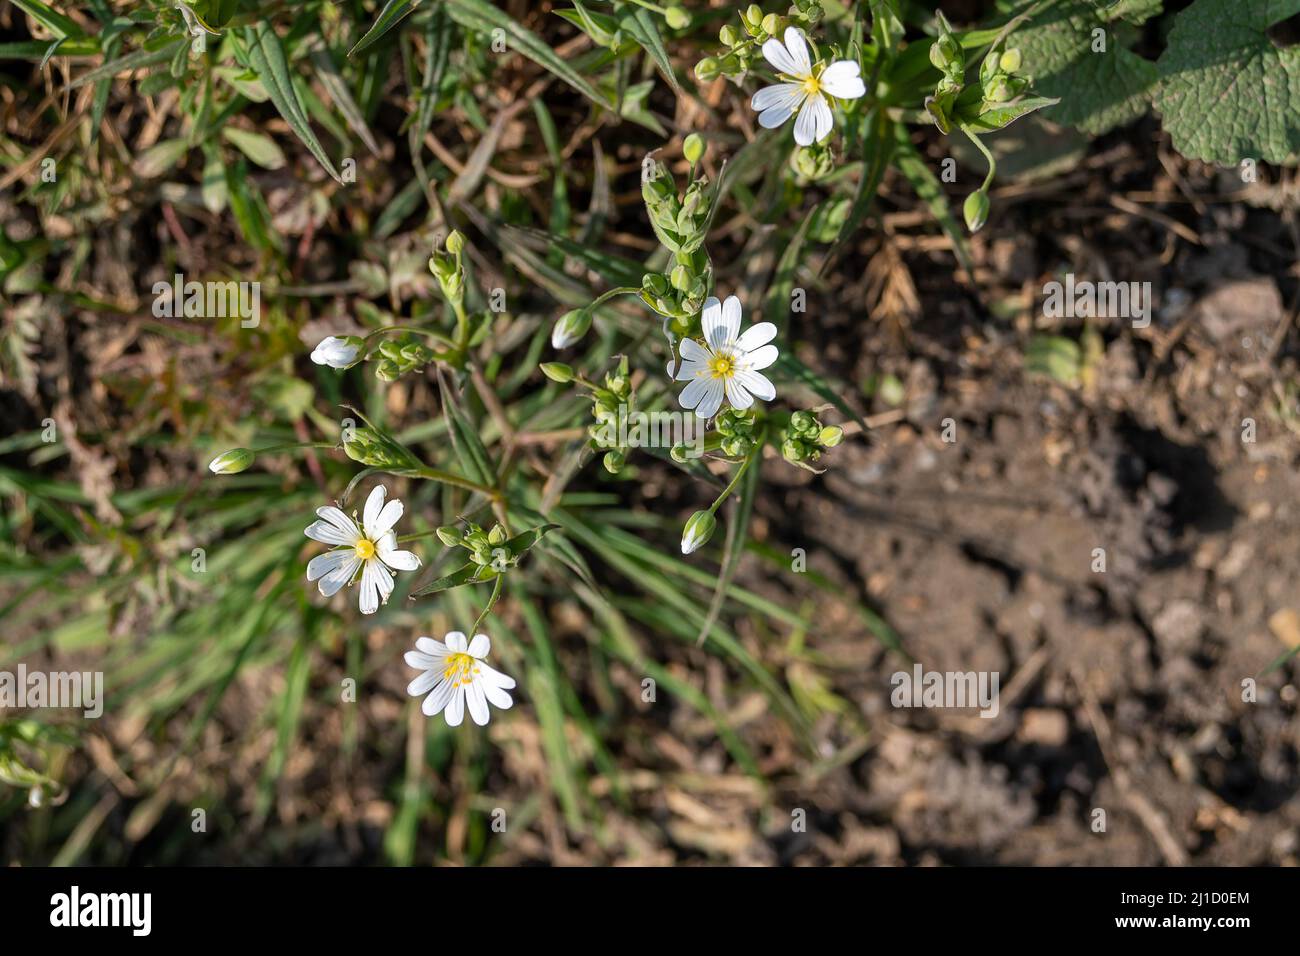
699,528
231,462
570,328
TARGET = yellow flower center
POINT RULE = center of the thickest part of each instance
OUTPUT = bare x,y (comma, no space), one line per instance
365,549
812,85
722,366
461,669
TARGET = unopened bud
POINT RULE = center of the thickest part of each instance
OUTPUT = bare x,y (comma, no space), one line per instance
699,528
976,210
557,372
231,462
570,328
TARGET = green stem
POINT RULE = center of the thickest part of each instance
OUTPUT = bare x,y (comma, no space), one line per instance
496,593
447,478
740,472
437,336
993,165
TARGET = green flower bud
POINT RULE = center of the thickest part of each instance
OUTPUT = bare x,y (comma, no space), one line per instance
1010,61
946,53
677,18
771,24
699,528
231,462
614,461
976,210
557,372
570,328
693,148
680,278
497,535
455,243
830,436
450,536
707,70
802,422
998,91
679,453
754,15
654,283
444,267
387,371
731,65
728,36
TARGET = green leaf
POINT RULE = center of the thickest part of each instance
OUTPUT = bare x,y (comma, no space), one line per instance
266,56
135,60
462,575
159,158
393,13
58,24
999,117
1098,90
1226,92
260,149
918,172
484,18
641,25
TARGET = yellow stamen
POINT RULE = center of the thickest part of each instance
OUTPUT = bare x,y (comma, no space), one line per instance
461,669
365,549
812,85
722,366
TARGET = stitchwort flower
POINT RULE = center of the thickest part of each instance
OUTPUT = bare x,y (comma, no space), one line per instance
337,352
370,549
804,88
455,675
728,364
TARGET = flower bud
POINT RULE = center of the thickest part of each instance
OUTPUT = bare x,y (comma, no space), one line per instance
998,91
614,461
450,536
754,15
728,36
1010,61
557,372
680,278
976,210
945,53
707,70
699,528
677,18
771,24
830,436
497,535
231,462
570,328
455,243
693,148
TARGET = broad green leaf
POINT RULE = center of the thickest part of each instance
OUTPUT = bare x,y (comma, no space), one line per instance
266,56
159,158
260,149
393,13
1227,92
1099,89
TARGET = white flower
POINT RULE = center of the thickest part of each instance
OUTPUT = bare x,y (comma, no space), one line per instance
804,90
372,548
457,675
336,352
728,365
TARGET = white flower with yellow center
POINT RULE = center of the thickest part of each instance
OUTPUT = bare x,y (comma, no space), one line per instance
804,88
728,364
371,548
456,675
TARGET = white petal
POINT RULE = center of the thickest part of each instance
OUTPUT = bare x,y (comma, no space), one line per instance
711,315
422,662
777,115
841,79
480,646
775,53
431,647
736,394
825,118
441,696
323,564
386,519
722,324
398,560
805,125
376,585
690,370
712,400
491,677
423,683
693,351
330,584
760,358
777,95
456,707
794,42
695,391
339,520
456,642
497,697
757,384
756,335
327,533
478,708
374,504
